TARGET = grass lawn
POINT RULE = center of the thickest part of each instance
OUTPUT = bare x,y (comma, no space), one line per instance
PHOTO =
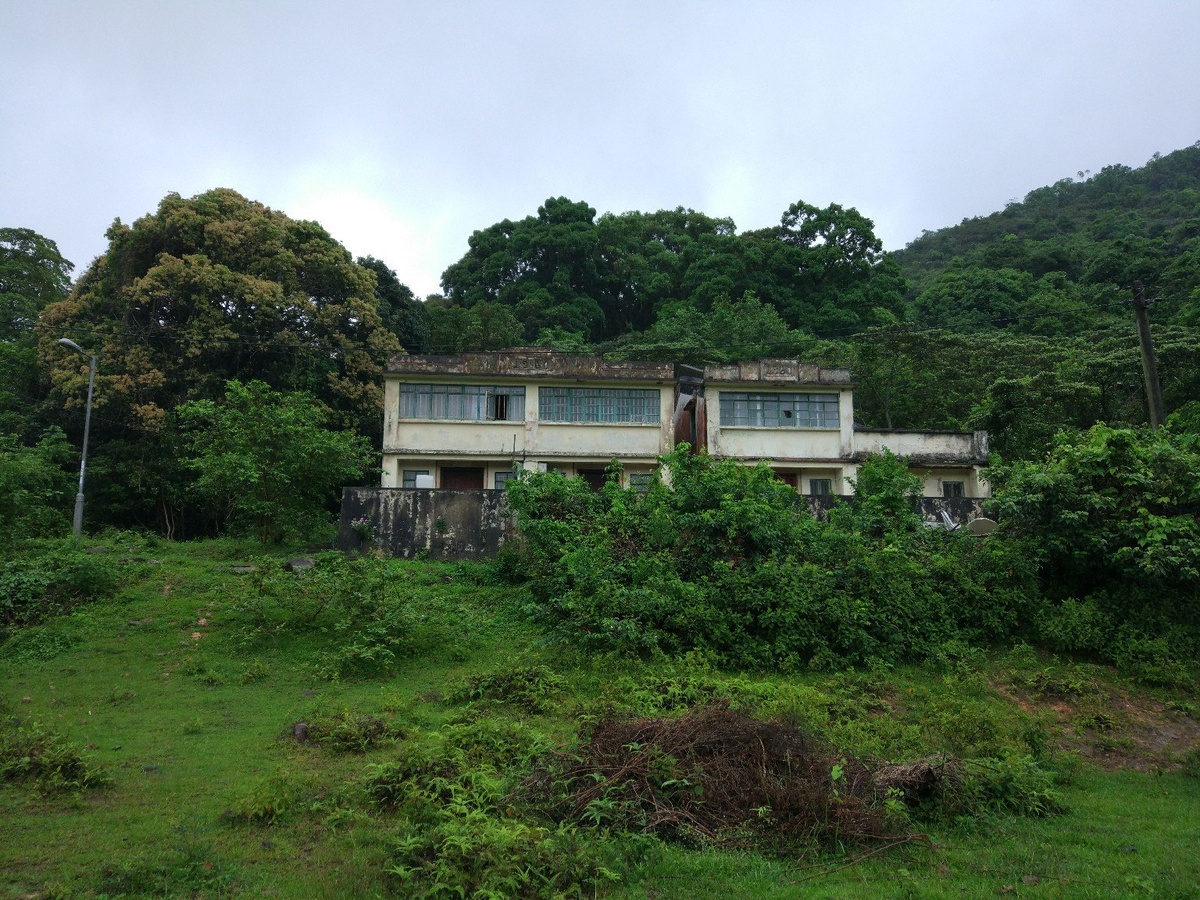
185,685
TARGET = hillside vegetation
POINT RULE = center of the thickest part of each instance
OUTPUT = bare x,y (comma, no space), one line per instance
211,723
699,691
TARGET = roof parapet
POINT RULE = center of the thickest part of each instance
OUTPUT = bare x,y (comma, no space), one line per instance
777,371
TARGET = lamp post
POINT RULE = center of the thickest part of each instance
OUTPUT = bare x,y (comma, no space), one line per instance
77,524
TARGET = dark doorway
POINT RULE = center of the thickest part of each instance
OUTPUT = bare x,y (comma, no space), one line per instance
462,477
594,477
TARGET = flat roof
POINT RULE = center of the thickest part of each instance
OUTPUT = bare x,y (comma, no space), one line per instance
530,362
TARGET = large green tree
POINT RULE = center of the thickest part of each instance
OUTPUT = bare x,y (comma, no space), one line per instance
203,291
544,267
32,274
218,287
400,311
267,463
823,269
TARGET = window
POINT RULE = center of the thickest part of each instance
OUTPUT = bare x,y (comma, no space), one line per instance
463,402
503,478
626,405
952,489
410,477
779,410
820,487
640,481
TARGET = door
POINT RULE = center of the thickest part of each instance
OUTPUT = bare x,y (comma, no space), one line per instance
462,477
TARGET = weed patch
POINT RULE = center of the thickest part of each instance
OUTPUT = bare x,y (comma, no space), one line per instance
347,732
533,689
32,753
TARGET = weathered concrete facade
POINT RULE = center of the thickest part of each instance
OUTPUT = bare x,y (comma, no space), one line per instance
454,525
462,425
754,414
407,523
494,438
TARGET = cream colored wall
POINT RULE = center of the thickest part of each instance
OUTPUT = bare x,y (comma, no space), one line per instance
460,438
916,443
595,440
415,444
777,445
931,481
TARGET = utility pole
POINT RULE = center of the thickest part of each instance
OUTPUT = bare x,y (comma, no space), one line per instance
1149,367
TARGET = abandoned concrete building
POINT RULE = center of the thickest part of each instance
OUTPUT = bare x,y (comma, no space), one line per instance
473,420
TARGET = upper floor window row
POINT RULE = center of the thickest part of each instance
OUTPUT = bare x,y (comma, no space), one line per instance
779,410
463,402
582,404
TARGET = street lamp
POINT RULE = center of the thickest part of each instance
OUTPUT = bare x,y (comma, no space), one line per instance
77,524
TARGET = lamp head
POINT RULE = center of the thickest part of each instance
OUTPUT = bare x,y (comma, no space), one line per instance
67,342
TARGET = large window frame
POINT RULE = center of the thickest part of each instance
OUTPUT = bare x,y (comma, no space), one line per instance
746,409
463,402
603,406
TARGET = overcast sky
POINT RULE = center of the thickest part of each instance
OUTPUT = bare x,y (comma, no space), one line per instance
402,126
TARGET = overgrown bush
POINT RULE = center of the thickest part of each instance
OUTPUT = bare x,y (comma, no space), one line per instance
1111,518
727,560
48,578
374,622
32,753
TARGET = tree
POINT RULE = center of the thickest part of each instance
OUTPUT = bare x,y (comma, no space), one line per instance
400,311
32,274
267,463
729,331
35,489
817,264
544,267
1112,517
485,326
214,288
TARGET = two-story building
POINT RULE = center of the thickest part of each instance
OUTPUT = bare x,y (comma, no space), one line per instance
799,419
472,420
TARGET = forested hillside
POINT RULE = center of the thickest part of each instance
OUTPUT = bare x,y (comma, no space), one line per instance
1014,322
1088,238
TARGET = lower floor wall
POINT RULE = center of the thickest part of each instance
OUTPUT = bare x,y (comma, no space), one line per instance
408,523
438,524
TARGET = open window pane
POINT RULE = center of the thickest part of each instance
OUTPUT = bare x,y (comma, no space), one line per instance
463,402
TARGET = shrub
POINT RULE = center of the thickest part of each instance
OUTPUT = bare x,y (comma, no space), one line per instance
33,753
1111,517
728,561
48,579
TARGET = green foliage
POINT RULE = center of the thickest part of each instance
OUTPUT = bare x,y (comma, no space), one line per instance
657,276
727,560
201,292
399,310
32,274
30,752
350,732
1112,518
222,288
266,464
373,621
1014,784
1068,250
533,689
35,488
48,578
730,330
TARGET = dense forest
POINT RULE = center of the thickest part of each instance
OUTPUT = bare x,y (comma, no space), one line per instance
216,307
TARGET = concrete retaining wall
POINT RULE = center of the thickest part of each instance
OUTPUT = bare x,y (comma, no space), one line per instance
449,524
439,524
